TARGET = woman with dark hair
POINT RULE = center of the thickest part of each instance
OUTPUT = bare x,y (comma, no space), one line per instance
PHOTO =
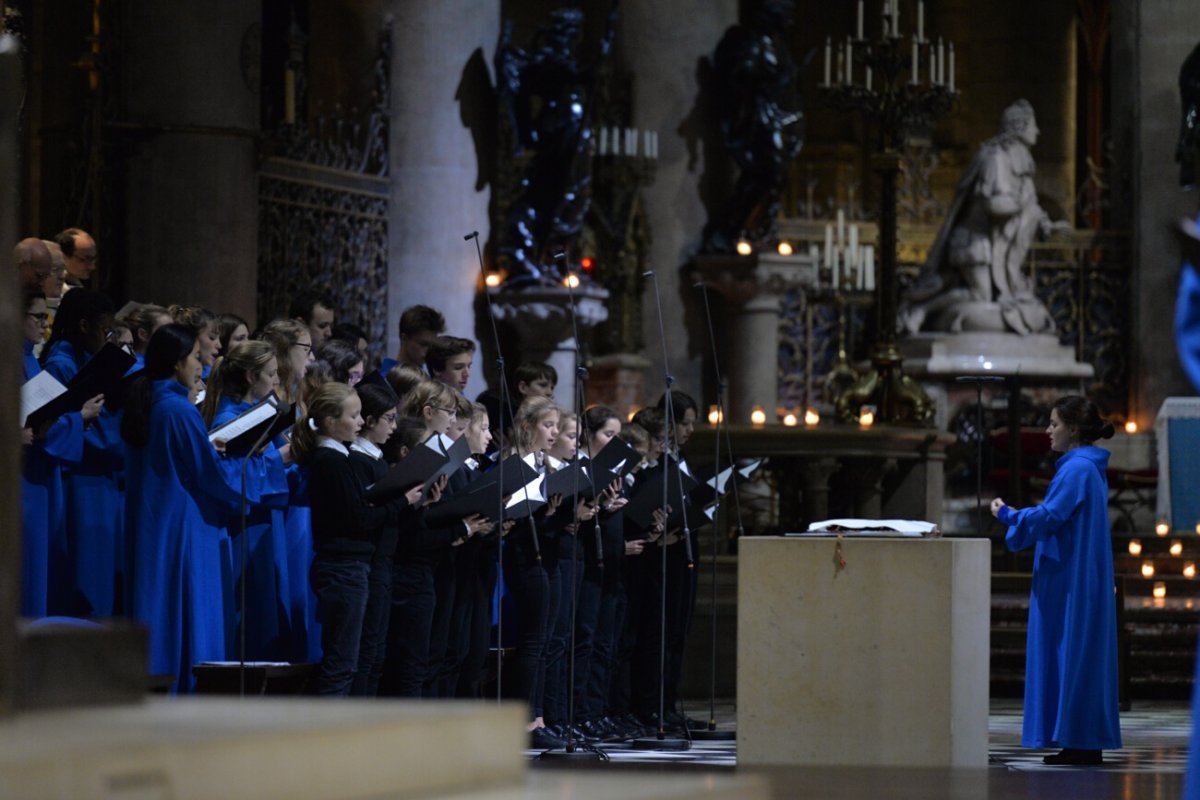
1071,687
176,495
232,330
95,532
344,361
44,547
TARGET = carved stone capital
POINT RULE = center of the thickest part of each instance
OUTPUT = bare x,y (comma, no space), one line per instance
745,278
543,314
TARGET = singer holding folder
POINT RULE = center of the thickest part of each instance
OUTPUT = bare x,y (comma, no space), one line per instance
239,381
44,548
176,496
94,506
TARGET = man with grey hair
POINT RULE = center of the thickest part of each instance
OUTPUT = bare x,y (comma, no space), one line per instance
973,278
33,261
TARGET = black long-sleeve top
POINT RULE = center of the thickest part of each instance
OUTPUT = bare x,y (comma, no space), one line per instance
344,524
370,470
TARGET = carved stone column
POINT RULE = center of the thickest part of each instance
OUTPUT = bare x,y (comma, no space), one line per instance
661,42
10,327
814,488
192,105
754,287
441,54
867,475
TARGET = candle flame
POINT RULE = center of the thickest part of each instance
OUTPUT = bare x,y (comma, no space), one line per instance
758,417
1135,547
811,417
744,248
1147,569
1131,427
784,249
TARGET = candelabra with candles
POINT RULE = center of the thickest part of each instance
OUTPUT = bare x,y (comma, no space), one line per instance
897,83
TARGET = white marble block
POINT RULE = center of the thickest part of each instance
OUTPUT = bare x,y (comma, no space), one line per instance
882,662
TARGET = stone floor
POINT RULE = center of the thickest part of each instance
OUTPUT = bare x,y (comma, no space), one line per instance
1150,766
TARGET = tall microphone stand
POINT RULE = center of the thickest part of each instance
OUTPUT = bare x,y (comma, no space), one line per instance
242,556
504,404
573,751
660,741
979,381
710,733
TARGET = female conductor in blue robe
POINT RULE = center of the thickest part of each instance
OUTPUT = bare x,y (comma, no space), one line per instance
176,501
1071,690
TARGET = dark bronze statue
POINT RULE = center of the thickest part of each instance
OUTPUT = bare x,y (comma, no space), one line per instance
1188,151
758,109
544,98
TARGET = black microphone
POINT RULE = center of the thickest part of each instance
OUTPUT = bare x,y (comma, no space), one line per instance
471,235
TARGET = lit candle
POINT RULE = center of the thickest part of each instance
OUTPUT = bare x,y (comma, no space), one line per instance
744,248
492,280
758,417
789,419
859,26
941,61
921,20
811,418
1176,548
1147,569
289,97
1189,570
866,417
1135,547
784,248
714,416
1160,590
828,59
1131,427
952,66
572,281
1162,528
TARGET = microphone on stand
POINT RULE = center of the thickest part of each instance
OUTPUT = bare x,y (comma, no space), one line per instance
660,740
710,733
573,751
979,381
242,551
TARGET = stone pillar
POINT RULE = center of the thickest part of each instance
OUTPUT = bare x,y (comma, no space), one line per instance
439,48
10,327
1150,40
191,189
661,43
814,483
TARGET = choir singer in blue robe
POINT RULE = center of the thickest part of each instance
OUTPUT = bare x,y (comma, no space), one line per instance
177,499
1071,689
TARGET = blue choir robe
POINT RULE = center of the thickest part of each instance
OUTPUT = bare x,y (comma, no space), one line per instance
177,502
95,528
1071,684
45,563
1187,322
302,603
266,616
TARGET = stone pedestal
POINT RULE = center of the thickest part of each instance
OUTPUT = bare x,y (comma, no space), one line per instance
946,355
753,287
617,381
881,663
537,320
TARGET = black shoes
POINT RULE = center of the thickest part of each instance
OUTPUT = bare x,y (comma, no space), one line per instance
1070,757
543,739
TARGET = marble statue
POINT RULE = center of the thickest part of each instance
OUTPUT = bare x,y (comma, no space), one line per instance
761,124
973,279
544,95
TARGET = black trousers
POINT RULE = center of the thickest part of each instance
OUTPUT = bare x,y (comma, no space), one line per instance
341,589
413,600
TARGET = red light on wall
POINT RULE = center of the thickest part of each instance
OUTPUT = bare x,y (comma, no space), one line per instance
587,263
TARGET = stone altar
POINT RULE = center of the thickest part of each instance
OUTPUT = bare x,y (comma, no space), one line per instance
883,662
